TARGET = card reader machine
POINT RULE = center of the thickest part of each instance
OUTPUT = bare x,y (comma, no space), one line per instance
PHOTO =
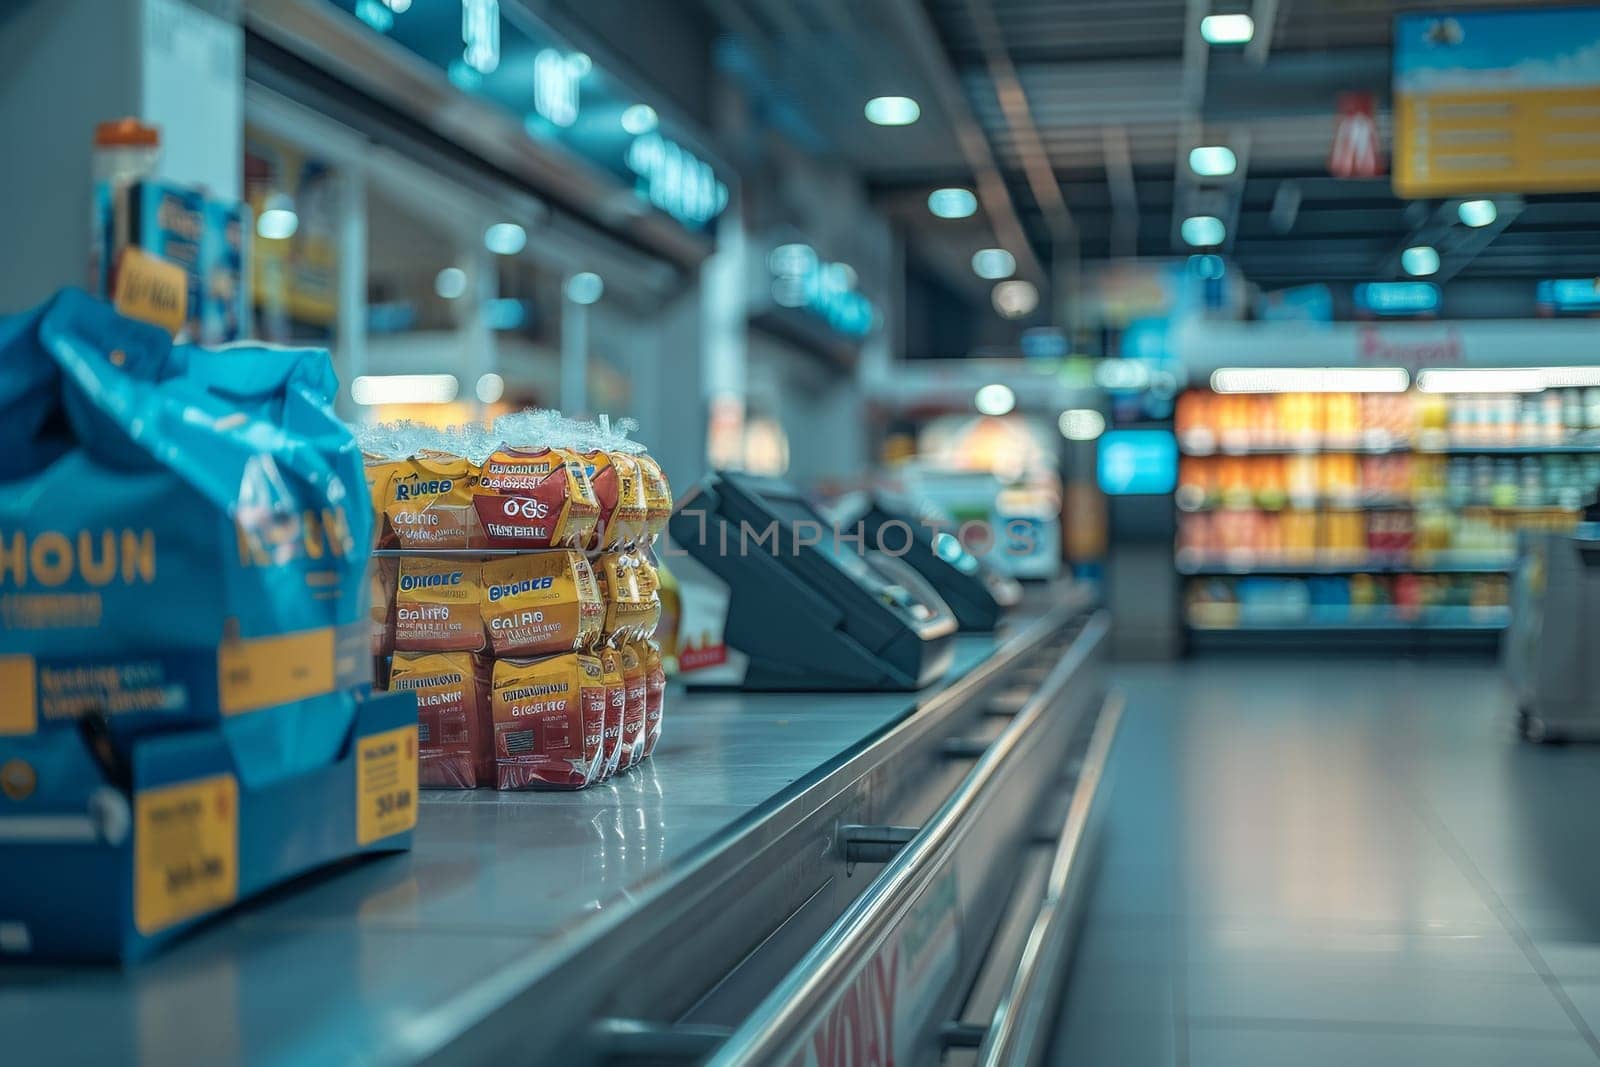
806,611
977,593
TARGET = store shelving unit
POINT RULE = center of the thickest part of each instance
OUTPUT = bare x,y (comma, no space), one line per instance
1370,515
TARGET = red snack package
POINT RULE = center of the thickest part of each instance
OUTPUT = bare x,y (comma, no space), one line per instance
438,606
535,498
549,722
453,724
635,699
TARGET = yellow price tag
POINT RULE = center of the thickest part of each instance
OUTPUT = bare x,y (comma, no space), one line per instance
386,784
185,851
263,672
19,705
151,289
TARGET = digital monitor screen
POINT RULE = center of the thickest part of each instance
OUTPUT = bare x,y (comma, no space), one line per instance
1137,462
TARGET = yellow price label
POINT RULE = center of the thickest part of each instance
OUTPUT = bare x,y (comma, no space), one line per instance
19,704
386,784
185,851
151,289
263,672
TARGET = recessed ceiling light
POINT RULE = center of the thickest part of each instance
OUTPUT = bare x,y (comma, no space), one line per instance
893,110
491,387
450,283
1203,231
640,118
1015,298
1419,261
993,263
505,238
1477,213
1081,424
585,287
952,203
277,220
995,399
1227,29
1212,161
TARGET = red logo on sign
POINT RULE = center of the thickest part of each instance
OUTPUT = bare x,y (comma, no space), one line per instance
1357,152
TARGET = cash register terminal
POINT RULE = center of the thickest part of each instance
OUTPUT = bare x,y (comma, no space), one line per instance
978,594
805,609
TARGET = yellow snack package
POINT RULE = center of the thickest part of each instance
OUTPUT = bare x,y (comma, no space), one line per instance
429,503
437,606
630,605
541,603
657,497
619,487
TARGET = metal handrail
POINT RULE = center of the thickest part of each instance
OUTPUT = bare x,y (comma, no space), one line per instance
785,1015
1016,1037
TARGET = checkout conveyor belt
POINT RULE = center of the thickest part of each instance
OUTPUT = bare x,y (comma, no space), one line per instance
721,901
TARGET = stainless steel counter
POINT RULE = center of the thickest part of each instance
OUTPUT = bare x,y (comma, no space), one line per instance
394,959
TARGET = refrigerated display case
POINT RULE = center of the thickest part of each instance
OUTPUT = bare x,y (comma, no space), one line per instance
1372,511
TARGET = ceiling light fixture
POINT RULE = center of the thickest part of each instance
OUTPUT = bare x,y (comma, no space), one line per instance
1015,298
993,263
1081,424
1213,161
450,283
1477,213
893,111
1227,29
640,118
585,287
995,399
952,203
1310,380
505,238
1419,261
1203,231
372,389
277,220
491,387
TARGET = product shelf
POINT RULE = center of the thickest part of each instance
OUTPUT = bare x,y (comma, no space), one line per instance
1237,568
1575,447
1447,619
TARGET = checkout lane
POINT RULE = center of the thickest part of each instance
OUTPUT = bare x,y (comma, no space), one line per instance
515,899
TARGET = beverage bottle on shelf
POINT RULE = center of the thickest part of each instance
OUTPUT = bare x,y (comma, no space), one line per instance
1591,408
1504,494
1530,491
1571,411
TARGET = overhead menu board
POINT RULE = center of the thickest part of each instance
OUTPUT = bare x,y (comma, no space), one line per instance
1497,101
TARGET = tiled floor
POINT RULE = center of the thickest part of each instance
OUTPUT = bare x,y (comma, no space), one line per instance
1313,862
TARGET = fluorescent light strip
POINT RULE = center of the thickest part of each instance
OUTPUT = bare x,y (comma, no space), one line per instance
1310,380
1506,379
374,389
1571,377
1487,380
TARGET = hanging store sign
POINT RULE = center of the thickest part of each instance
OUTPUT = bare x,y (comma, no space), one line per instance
1357,152
557,93
1501,101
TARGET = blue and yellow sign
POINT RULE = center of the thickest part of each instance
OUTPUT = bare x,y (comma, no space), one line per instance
1503,101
